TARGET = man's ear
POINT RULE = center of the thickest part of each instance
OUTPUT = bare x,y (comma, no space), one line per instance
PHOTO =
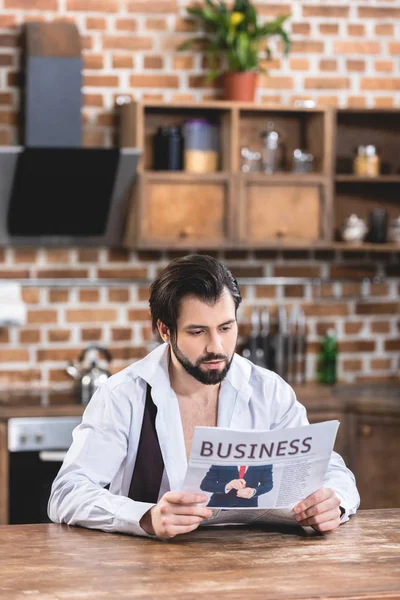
164,332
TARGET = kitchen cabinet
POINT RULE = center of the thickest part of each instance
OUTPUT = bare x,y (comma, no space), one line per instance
375,452
234,209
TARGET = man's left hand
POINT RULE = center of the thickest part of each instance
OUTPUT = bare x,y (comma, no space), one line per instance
320,510
245,493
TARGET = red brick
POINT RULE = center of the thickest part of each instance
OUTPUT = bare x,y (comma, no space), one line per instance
25,255
392,345
154,81
89,295
158,7
129,273
96,23
185,25
100,81
355,65
14,274
98,315
318,10
328,65
123,61
93,100
126,24
31,4
384,66
58,354
356,30
353,328
297,271
384,29
378,308
57,255
118,295
384,102
381,363
350,364
59,335
127,353
56,296
42,316
14,355
278,83
4,336
153,62
357,346
7,21
91,335
299,64
380,327
6,60
293,291
7,117
328,29
20,376
156,24
274,10
111,6
30,295
62,273
301,28
381,12
265,291
93,61
127,42
182,62
139,314
121,334
326,309
307,47
327,83
29,336
382,83
357,47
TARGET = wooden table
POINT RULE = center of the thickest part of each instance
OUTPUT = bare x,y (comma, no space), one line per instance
360,560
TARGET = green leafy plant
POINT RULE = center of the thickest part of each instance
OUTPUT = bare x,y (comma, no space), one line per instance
235,35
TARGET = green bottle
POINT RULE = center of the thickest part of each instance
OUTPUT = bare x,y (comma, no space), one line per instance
327,360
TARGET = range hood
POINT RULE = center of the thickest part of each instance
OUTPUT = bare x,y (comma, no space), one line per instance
53,191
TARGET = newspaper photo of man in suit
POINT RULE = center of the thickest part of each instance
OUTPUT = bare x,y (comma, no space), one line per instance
237,487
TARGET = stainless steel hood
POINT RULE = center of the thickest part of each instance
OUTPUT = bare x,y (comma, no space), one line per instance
65,196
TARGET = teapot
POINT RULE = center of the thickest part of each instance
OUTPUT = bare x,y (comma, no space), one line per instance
90,371
354,229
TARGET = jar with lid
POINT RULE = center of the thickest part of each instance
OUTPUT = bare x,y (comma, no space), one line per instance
168,149
201,146
366,162
273,149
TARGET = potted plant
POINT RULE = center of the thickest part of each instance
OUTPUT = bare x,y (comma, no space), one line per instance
235,44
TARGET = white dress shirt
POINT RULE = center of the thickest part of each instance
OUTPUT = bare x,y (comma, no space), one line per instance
105,444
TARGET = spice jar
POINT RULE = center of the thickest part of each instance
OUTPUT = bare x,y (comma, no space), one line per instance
201,146
366,162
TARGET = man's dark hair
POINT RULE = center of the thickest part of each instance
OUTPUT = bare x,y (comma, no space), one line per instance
197,275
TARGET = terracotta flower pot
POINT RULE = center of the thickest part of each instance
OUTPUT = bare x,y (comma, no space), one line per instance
240,86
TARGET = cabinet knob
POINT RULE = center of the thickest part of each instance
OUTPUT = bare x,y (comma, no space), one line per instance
365,430
186,232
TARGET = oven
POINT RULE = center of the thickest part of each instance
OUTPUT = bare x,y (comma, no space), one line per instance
37,447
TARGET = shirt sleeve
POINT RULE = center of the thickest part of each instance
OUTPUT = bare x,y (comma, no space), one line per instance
288,412
78,495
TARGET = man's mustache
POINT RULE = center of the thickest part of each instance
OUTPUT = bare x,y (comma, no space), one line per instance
211,357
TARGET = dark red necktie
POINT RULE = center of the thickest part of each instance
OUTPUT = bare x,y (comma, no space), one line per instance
242,470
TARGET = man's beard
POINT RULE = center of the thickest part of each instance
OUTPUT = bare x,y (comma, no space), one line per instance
210,377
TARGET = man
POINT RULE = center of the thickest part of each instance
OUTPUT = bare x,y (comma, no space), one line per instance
237,487
145,416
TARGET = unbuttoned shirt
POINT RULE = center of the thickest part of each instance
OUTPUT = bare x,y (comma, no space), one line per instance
105,444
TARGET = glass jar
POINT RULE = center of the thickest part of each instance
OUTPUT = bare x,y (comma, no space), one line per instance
168,149
201,146
273,149
366,162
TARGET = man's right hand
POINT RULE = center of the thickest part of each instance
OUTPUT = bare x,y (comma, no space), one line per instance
235,484
174,514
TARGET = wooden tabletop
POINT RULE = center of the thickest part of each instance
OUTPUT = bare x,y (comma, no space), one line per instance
360,560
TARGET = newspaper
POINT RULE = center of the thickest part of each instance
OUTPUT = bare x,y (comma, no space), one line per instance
258,476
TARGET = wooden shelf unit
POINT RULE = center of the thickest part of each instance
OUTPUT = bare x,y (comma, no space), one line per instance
233,209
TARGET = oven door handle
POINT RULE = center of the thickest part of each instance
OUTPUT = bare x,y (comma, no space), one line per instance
52,455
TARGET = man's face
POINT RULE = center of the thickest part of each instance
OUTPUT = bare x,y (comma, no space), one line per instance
206,337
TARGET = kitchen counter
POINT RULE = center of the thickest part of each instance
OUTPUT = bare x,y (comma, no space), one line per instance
361,560
378,398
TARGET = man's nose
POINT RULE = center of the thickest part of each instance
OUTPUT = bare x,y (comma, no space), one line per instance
214,345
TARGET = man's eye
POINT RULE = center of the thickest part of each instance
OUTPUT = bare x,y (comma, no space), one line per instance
196,332
226,328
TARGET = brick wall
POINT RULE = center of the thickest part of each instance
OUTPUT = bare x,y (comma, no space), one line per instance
61,321
344,53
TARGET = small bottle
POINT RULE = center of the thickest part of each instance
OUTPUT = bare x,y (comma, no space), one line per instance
359,163
372,161
328,358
